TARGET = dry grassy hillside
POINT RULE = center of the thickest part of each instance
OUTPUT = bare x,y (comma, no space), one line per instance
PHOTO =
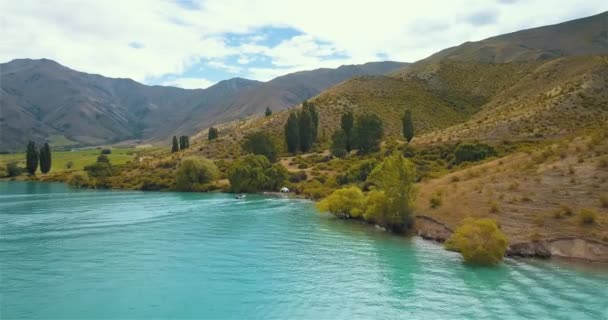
535,195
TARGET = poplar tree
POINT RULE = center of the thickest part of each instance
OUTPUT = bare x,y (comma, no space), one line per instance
213,133
346,124
31,158
268,112
175,146
45,158
306,130
408,126
292,133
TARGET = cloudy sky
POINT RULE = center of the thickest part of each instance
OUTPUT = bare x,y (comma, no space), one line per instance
194,44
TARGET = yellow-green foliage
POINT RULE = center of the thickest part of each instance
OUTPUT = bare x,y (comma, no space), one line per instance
479,241
395,176
344,203
78,179
193,172
587,216
377,208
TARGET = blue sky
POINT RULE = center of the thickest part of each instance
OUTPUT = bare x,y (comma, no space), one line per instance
194,44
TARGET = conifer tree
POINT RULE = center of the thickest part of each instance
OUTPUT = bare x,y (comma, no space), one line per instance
45,158
347,123
184,142
268,112
292,133
408,126
213,133
175,146
31,158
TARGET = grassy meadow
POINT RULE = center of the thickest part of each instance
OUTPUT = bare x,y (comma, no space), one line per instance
78,158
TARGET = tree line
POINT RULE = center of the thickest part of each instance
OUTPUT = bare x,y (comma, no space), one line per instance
35,157
301,128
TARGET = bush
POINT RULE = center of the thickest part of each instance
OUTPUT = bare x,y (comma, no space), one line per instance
69,165
479,241
435,201
102,168
262,143
193,172
472,152
298,176
344,203
78,180
587,216
106,151
13,169
254,173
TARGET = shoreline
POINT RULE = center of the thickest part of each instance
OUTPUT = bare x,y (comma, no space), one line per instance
574,249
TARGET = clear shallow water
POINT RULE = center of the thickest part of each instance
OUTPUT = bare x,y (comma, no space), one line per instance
68,253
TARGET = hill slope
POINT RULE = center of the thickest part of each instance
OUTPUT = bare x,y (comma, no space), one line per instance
43,100
581,37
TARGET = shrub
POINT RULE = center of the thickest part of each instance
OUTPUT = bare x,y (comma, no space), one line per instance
262,143
69,165
254,173
100,169
194,172
479,241
13,169
587,216
106,151
298,176
435,201
472,152
344,203
78,179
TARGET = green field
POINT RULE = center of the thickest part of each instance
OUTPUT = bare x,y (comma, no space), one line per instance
79,158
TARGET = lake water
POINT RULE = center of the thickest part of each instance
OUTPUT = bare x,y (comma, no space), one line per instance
67,253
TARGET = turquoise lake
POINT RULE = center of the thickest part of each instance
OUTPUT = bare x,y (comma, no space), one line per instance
68,253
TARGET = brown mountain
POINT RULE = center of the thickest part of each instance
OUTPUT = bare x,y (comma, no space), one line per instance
43,100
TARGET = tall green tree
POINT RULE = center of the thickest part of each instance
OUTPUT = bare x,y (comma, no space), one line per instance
184,142
368,132
314,116
213,133
193,172
268,112
175,146
292,133
262,143
346,123
45,158
31,158
338,143
408,126
306,127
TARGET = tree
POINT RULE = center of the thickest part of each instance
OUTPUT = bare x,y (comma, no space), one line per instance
31,158
194,172
339,144
368,132
175,146
479,241
408,126
346,123
268,112
277,175
247,174
100,169
184,142
344,203
472,152
395,177
314,117
306,127
106,151
45,158
261,143
213,133
292,133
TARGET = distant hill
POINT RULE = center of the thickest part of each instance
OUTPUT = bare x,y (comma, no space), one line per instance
581,37
43,100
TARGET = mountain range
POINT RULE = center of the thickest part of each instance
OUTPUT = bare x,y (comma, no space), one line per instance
43,100
543,81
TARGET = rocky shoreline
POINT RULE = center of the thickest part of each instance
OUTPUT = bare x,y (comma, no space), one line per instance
564,247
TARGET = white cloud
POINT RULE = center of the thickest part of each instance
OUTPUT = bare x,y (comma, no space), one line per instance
146,39
189,83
